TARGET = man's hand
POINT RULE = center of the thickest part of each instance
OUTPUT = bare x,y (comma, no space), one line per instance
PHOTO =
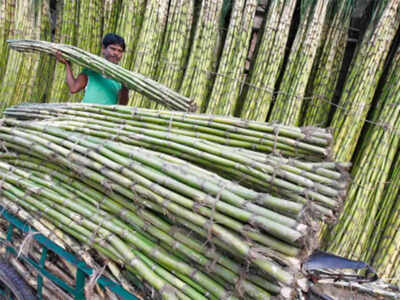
61,59
74,84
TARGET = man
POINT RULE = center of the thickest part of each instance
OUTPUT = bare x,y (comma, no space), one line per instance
98,88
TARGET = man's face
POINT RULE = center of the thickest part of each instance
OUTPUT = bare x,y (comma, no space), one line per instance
113,53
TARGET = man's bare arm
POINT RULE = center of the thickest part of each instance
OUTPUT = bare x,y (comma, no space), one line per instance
74,84
123,96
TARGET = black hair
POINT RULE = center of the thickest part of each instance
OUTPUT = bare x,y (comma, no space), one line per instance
112,38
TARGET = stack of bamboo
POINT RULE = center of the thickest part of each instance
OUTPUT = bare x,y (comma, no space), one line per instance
135,184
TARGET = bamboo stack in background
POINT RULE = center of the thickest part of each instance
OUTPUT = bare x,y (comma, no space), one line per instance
6,23
362,79
325,74
19,70
149,43
370,175
226,87
128,25
288,104
175,44
201,65
259,93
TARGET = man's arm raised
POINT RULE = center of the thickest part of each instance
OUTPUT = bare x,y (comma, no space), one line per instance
74,84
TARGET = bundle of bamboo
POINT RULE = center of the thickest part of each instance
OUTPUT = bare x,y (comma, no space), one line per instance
149,45
363,77
175,45
227,84
146,86
267,66
203,54
370,174
328,65
288,104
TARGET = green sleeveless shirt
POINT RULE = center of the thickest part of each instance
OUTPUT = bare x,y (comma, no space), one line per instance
99,89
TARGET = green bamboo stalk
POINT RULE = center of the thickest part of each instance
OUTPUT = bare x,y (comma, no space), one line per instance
244,138
317,136
280,141
129,217
278,177
122,248
101,219
270,242
386,239
112,15
227,237
270,226
16,73
46,66
175,46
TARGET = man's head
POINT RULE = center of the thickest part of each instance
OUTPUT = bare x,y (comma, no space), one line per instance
113,47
